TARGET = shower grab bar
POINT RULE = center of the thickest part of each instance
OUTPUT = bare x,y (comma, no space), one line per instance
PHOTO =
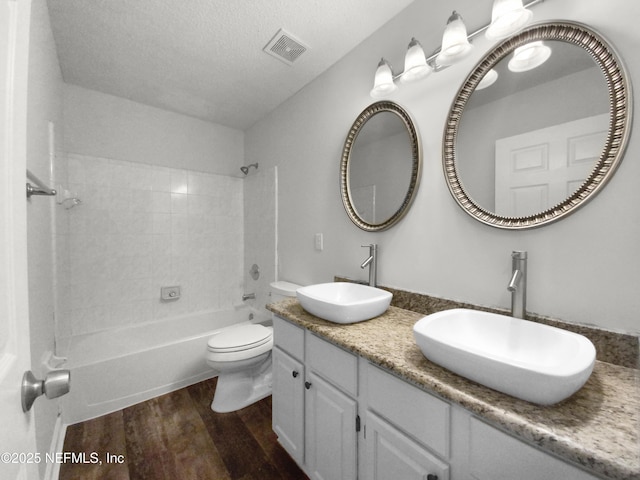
39,189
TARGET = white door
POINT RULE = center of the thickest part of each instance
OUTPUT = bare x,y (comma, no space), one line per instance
17,435
539,169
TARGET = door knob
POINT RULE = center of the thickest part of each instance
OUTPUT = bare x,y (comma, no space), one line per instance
55,384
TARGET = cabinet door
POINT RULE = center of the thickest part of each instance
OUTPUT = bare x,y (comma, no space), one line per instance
391,455
288,403
331,438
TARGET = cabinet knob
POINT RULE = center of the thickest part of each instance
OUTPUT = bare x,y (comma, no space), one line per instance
432,477
295,374
307,385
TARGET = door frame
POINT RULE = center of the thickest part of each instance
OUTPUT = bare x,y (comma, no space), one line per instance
18,432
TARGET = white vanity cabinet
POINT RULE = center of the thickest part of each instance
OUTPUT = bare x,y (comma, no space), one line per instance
341,417
315,413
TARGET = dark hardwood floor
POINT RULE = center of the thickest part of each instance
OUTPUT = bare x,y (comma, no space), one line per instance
177,436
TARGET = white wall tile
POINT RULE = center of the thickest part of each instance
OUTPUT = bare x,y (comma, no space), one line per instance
140,228
161,179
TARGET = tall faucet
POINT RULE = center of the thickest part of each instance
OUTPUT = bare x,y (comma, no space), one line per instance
372,263
518,284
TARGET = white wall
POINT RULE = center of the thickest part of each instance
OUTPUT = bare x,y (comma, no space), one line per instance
102,125
582,269
44,105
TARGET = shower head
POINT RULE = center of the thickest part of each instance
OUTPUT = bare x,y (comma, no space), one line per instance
246,168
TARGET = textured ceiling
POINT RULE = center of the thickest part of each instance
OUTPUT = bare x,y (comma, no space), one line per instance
204,58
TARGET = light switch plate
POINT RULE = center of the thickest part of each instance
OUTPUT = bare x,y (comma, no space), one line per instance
319,242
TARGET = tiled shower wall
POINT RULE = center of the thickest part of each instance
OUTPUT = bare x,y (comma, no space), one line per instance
139,228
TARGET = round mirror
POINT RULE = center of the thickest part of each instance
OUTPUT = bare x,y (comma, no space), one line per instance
538,127
380,168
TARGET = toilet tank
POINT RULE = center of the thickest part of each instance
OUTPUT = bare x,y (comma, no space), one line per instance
282,290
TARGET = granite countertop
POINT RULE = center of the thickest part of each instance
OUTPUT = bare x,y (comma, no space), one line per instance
598,427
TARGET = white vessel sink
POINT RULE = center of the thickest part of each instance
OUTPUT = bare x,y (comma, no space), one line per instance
343,302
528,360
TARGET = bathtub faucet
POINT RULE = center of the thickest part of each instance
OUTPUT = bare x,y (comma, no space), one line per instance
248,296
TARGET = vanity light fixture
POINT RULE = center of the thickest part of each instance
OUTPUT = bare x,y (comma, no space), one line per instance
529,56
415,63
455,41
507,17
383,82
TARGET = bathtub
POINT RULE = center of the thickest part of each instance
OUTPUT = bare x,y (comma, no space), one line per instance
117,368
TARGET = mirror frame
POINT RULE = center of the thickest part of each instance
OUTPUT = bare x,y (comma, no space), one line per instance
416,158
620,119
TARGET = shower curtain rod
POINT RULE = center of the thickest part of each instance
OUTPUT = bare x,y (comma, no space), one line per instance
40,188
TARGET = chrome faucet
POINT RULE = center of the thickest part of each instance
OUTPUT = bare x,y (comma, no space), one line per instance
518,284
372,263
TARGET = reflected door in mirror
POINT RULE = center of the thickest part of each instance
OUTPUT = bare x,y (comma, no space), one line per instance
538,169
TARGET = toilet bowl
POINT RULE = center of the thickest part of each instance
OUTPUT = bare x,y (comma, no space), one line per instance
242,357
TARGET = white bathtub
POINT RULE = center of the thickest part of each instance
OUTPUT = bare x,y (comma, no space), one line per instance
118,368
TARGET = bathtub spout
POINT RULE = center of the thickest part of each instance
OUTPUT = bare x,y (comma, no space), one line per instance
248,296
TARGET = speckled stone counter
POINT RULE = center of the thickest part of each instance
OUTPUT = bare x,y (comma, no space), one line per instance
598,427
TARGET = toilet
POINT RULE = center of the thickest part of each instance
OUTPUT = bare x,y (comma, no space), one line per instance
242,356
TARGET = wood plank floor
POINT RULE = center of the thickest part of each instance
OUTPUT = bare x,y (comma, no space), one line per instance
177,436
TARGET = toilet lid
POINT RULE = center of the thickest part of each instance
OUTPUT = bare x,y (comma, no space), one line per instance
242,337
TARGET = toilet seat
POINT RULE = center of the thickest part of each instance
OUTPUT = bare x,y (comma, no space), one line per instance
242,338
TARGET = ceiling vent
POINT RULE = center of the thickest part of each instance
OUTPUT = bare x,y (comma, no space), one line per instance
285,47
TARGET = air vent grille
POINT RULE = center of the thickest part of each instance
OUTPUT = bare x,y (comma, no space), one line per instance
285,47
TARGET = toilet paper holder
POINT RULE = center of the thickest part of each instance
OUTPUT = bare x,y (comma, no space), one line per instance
54,385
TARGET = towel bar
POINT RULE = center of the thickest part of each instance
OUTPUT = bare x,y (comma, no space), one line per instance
39,189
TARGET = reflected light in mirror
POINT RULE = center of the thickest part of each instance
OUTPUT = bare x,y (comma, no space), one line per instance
455,43
507,18
488,80
415,63
529,56
383,83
